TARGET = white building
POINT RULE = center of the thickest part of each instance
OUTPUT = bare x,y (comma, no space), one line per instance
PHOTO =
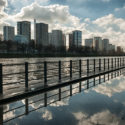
1,37
89,42
8,32
105,43
57,38
97,43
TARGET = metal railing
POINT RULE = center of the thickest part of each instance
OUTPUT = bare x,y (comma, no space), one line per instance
42,100
16,78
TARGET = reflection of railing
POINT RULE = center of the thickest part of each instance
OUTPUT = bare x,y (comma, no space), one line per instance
51,97
16,78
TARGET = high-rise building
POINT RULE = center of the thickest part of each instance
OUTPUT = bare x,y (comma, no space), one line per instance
70,40
50,38
42,34
89,42
64,39
1,37
24,28
119,49
57,38
77,38
105,43
35,31
8,32
111,47
97,43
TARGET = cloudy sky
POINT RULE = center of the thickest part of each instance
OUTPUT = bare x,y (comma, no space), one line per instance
105,18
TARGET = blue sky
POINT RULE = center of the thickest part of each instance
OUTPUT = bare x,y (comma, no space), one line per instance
82,8
103,18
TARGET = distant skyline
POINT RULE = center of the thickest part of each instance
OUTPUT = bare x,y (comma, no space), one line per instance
103,18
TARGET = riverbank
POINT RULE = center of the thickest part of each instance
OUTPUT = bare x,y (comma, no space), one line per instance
21,55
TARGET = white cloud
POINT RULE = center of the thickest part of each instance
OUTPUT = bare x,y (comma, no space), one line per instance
106,0
49,14
109,89
113,28
59,17
3,4
102,118
47,115
120,9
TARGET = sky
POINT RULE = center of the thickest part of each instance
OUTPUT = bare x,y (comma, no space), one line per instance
105,18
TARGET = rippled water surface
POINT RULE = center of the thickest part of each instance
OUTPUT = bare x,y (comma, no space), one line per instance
103,104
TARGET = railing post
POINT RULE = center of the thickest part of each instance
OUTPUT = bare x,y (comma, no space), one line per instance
45,73
80,66
120,62
94,65
59,94
59,70
45,99
26,75
112,69
1,79
99,71
88,84
87,67
70,77
99,65
104,69
115,63
104,64
115,67
108,63
118,67
123,61
108,68
26,106
99,79
112,63
94,81
79,86
70,68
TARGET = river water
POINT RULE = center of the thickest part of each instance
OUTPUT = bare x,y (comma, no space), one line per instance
103,104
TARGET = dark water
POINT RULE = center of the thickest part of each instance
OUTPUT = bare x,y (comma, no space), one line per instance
103,104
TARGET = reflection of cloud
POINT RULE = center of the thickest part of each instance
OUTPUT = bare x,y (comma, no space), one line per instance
117,86
47,115
60,103
101,118
8,115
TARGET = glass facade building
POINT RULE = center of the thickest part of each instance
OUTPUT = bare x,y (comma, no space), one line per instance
77,38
